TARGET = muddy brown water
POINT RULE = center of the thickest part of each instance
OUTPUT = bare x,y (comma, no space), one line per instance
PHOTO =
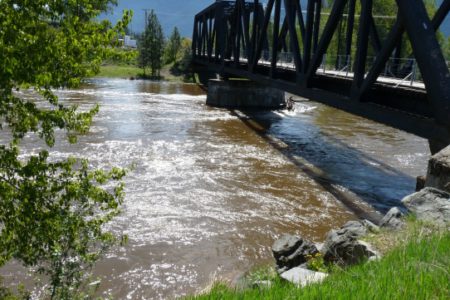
213,188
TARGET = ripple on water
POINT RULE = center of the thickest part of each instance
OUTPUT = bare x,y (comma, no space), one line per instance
211,189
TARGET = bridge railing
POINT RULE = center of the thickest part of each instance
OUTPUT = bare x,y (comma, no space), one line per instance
397,71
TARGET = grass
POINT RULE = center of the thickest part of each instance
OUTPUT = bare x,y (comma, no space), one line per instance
417,268
119,71
128,71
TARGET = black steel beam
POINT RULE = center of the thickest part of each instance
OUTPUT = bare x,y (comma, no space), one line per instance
429,57
220,27
254,31
263,35
423,127
301,21
317,15
440,15
382,58
275,37
361,47
374,36
295,49
309,33
402,108
330,27
350,27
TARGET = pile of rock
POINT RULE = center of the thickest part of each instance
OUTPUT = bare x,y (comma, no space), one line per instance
341,247
344,247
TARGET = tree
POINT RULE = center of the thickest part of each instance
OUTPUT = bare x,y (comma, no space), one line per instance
183,66
174,46
447,50
151,46
52,211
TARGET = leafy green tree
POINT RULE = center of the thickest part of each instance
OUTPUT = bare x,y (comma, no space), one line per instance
173,46
151,46
183,66
447,49
52,212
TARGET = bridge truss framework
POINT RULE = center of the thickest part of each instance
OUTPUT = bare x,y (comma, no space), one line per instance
245,39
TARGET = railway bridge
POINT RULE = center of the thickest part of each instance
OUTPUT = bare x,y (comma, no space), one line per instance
387,68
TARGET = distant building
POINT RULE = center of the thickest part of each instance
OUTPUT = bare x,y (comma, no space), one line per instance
129,42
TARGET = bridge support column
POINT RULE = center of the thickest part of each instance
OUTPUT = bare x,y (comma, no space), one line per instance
243,94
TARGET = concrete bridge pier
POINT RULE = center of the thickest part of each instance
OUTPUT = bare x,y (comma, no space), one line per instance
236,93
204,76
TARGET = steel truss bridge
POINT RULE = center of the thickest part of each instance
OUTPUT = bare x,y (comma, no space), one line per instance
287,44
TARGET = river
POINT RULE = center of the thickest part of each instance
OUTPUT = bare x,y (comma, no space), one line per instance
213,188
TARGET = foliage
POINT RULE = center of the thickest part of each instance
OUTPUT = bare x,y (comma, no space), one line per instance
317,263
174,46
183,66
122,57
417,269
52,211
447,49
151,46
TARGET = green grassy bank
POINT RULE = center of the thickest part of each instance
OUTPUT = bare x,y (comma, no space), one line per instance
418,267
119,71
128,71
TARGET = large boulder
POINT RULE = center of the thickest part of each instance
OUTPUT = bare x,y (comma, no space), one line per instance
393,219
302,277
291,251
438,175
342,246
430,204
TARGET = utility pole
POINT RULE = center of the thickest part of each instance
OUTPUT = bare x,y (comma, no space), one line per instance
146,16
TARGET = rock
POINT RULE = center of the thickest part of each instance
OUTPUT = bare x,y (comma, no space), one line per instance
370,226
319,246
393,219
302,277
262,284
291,251
374,254
438,175
356,228
343,248
420,183
430,204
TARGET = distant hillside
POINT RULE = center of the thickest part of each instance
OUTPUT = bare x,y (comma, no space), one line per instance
181,13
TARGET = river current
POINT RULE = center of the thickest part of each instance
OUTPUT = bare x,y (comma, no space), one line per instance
211,189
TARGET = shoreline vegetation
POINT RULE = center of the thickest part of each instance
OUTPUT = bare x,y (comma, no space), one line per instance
414,265
112,70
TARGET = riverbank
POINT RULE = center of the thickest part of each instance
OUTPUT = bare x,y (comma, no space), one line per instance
414,265
130,71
